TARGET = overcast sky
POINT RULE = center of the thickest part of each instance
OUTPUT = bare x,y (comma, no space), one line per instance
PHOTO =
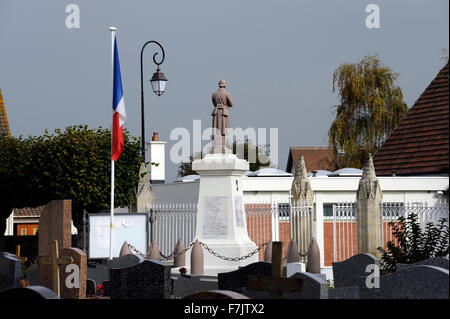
278,58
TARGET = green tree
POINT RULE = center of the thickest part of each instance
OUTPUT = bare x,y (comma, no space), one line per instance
414,245
370,107
72,164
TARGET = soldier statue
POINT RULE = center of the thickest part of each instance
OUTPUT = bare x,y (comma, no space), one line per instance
220,122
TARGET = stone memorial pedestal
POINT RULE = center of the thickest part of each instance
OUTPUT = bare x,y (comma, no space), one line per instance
221,221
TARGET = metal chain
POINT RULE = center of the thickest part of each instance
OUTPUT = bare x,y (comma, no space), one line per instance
233,258
163,257
172,255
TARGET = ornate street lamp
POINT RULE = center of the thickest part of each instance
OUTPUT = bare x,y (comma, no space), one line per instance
158,83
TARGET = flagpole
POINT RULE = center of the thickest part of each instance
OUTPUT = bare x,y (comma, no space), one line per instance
111,226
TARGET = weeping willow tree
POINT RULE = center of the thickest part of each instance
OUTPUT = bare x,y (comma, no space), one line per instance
370,107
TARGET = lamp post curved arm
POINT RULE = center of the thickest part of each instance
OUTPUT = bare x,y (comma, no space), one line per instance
142,88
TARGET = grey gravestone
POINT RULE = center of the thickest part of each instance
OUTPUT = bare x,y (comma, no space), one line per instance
352,271
28,293
99,272
234,280
106,287
191,284
437,261
343,293
10,271
237,280
314,287
147,280
90,287
128,260
32,274
415,282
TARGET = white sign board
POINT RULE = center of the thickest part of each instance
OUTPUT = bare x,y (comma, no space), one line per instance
215,219
132,228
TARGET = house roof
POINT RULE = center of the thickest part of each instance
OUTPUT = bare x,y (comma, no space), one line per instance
28,211
419,143
4,126
316,158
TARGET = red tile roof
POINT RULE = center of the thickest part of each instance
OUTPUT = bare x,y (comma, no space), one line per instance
316,158
28,211
419,144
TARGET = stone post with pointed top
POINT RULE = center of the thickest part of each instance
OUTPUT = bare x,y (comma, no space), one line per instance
303,195
369,198
144,195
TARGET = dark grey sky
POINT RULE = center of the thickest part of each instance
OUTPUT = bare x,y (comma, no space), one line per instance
277,56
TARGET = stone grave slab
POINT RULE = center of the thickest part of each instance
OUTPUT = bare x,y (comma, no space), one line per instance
191,284
415,282
72,287
437,261
147,280
28,293
10,271
216,294
350,272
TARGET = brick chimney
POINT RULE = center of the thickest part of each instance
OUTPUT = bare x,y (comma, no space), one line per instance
157,155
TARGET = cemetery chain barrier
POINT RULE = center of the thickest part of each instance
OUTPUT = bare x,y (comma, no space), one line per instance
174,253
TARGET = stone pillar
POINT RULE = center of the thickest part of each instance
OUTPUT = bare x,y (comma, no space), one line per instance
369,198
303,194
144,195
301,188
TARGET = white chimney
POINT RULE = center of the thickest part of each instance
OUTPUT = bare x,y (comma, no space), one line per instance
157,155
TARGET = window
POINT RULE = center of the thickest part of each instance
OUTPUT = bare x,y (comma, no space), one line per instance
23,231
283,210
328,210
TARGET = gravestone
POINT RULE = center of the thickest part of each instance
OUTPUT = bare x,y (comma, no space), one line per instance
236,280
28,293
90,287
352,271
191,284
10,271
55,225
437,261
32,274
147,280
125,261
415,282
276,283
52,271
74,281
216,294
99,272
314,287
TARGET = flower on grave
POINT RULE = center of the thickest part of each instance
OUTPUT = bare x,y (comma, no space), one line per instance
100,290
183,271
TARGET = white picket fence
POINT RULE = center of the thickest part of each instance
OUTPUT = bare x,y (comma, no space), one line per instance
172,222
345,222
426,213
280,221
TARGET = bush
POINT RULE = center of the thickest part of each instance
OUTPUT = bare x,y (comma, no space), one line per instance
414,245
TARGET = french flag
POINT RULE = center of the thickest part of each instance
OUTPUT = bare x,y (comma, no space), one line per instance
119,115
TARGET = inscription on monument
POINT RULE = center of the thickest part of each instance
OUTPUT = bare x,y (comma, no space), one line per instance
215,219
